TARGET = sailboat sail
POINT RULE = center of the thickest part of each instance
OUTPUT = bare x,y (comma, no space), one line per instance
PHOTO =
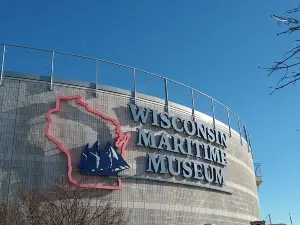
117,160
107,162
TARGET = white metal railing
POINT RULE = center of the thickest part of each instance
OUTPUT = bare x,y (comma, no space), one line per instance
257,170
134,70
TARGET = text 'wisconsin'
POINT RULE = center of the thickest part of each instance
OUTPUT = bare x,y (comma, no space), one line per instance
203,148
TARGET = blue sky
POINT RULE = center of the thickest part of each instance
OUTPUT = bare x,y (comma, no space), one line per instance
215,47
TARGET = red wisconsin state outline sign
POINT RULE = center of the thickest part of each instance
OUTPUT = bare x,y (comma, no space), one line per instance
121,141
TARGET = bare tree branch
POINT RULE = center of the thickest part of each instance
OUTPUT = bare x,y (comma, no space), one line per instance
285,20
289,67
60,206
293,10
284,85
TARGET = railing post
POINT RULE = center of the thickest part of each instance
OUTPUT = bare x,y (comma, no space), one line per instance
249,142
239,122
229,124
96,85
193,104
245,132
213,111
166,95
52,71
2,65
247,137
134,85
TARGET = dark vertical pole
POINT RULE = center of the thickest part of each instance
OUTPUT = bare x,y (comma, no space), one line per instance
96,85
245,132
52,71
239,122
193,104
247,138
134,85
166,95
213,112
228,119
2,65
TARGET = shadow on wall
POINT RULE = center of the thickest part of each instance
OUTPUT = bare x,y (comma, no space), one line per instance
74,126
28,157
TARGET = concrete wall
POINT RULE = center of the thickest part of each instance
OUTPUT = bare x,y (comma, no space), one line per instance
28,159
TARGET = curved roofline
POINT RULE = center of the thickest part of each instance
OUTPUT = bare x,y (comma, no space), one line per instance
123,93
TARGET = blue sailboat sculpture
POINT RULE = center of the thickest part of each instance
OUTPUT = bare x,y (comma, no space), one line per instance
106,162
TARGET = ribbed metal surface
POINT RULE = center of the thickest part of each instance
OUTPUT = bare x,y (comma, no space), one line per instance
29,159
